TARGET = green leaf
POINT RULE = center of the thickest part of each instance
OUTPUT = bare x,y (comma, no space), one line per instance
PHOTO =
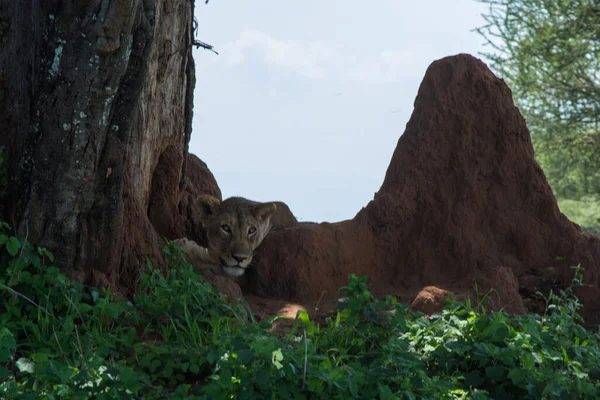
3,239
7,340
265,325
261,377
495,372
565,355
13,245
527,360
64,372
40,358
409,395
225,377
244,356
304,317
184,366
128,376
212,356
353,388
155,365
5,355
337,375
517,376
43,252
473,379
194,368
385,393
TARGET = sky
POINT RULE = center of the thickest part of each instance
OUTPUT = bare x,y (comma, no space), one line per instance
306,100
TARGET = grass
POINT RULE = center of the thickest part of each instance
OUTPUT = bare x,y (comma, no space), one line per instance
178,338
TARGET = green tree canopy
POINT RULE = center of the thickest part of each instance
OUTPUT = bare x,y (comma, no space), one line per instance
549,52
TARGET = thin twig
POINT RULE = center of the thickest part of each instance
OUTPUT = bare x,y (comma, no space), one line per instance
206,46
58,342
317,305
26,298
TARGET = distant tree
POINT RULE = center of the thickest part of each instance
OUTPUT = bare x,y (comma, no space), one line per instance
548,51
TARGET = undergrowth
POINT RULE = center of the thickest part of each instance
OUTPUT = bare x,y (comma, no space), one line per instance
178,338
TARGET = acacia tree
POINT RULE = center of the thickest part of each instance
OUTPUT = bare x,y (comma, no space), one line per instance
96,110
548,51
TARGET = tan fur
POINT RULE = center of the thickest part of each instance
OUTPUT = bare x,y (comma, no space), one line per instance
235,228
198,257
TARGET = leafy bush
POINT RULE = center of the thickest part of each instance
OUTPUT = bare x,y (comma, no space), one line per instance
178,338
63,339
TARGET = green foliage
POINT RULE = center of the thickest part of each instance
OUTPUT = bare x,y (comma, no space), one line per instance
571,161
178,338
61,339
549,54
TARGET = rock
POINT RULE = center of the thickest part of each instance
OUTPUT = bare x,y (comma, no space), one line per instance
173,210
430,300
226,285
198,179
463,194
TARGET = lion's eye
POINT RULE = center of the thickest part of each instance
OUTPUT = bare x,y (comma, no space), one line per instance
226,228
251,230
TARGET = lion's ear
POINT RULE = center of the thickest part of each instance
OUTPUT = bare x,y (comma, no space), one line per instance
265,210
208,203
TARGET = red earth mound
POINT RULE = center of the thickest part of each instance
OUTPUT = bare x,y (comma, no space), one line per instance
172,209
430,300
463,203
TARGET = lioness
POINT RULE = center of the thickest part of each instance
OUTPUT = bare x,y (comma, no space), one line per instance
235,228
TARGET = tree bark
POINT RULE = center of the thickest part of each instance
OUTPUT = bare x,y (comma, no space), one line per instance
93,93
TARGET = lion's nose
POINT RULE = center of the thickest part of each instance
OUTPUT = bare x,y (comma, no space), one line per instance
239,258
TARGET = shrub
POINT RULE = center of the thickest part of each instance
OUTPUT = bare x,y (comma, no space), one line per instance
178,338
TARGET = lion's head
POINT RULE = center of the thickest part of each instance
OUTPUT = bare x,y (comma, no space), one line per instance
235,228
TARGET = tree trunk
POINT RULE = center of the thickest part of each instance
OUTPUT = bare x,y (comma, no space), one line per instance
93,94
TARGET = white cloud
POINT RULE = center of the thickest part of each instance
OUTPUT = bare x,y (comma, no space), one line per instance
307,59
317,60
389,67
